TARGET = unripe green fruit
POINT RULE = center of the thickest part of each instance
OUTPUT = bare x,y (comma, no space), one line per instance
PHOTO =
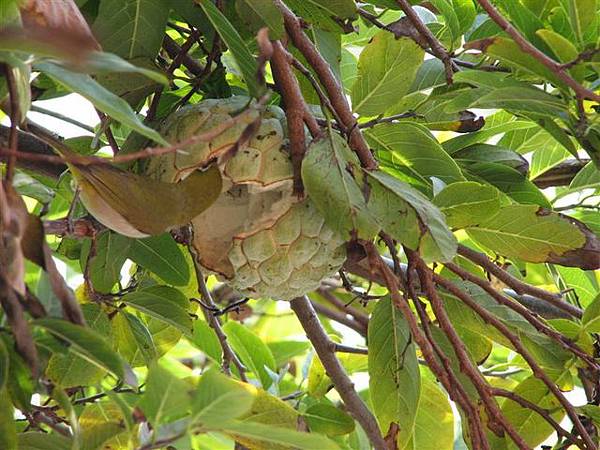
257,236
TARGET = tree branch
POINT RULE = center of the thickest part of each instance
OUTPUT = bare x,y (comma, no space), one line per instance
527,47
229,355
538,372
330,83
345,388
295,110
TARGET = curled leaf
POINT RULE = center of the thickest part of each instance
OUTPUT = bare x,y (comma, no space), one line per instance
139,206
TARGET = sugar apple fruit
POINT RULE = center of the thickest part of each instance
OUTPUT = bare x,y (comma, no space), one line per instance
258,236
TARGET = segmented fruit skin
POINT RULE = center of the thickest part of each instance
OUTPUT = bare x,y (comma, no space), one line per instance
257,236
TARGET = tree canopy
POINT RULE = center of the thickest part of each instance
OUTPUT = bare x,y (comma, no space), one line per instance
300,225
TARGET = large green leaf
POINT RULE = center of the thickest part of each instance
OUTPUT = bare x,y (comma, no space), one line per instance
529,99
133,339
321,14
8,430
4,364
205,339
386,70
218,399
267,14
329,420
70,369
166,397
434,424
411,149
163,303
278,436
528,233
85,343
105,265
394,378
244,59
332,177
33,440
468,203
252,351
529,424
409,216
104,100
131,28
161,255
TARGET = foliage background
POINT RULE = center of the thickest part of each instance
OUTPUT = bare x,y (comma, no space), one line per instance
480,125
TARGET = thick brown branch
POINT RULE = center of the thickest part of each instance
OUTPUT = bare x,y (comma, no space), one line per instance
295,110
343,385
330,83
527,47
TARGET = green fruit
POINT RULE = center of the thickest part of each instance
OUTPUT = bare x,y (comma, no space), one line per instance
257,236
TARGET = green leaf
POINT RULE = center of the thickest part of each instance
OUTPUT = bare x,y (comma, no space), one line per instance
531,426
8,430
163,303
409,216
133,339
564,50
386,69
587,178
85,343
329,420
394,378
4,364
102,62
522,99
253,352
131,28
277,435
33,440
162,256
205,339
528,233
101,424
591,317
244,59
267,14
104,100
468,203
283,351
105,265
218,399
509,181
332,178
580,14
70,369
320,14
434,424
411,149
166,397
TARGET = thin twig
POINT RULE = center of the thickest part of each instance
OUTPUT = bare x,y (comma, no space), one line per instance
339,304
345,388
14,115
340,317
528,48
499,392
341,348
57,115
229,355
436,47
524,312
519,286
